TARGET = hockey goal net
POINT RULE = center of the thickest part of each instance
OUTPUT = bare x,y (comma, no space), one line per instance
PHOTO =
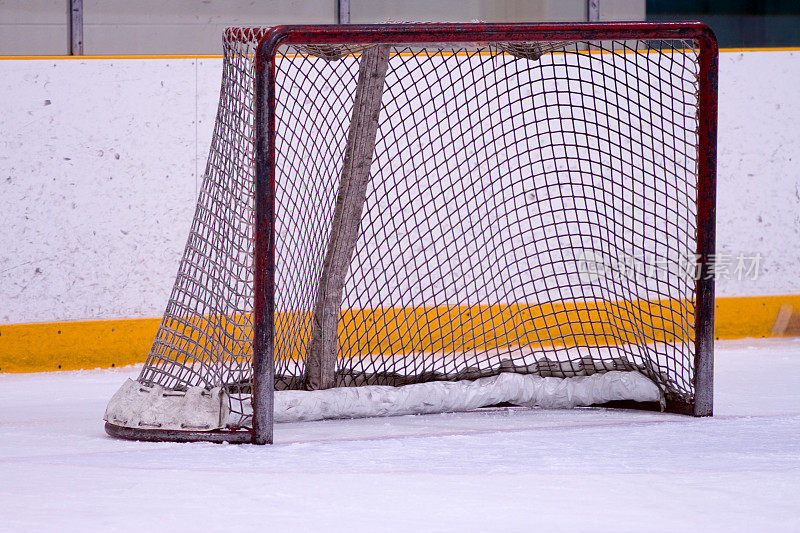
430,217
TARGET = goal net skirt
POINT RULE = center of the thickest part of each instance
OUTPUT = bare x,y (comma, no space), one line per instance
404,219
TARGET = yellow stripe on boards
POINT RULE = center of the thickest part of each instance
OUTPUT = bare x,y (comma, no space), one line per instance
218,56
75,345
764,49
757,316
364,332
143,56
461,328
107,343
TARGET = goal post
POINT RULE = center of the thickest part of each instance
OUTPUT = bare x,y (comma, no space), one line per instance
414,218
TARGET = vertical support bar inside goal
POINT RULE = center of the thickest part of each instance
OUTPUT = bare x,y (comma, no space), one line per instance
706,223
323,341
264,277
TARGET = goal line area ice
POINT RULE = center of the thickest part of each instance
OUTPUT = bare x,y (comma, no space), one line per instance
490,469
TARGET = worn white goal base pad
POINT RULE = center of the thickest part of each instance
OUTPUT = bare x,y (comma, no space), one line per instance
199,409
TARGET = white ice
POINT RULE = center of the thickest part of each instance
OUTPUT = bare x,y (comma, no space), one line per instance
496,470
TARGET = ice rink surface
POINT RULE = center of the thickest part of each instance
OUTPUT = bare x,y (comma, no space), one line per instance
494,470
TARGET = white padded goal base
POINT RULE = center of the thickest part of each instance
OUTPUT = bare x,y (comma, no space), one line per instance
525,390
139,406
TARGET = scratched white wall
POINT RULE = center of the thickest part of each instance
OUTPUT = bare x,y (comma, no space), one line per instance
99,166
758,190
98,163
